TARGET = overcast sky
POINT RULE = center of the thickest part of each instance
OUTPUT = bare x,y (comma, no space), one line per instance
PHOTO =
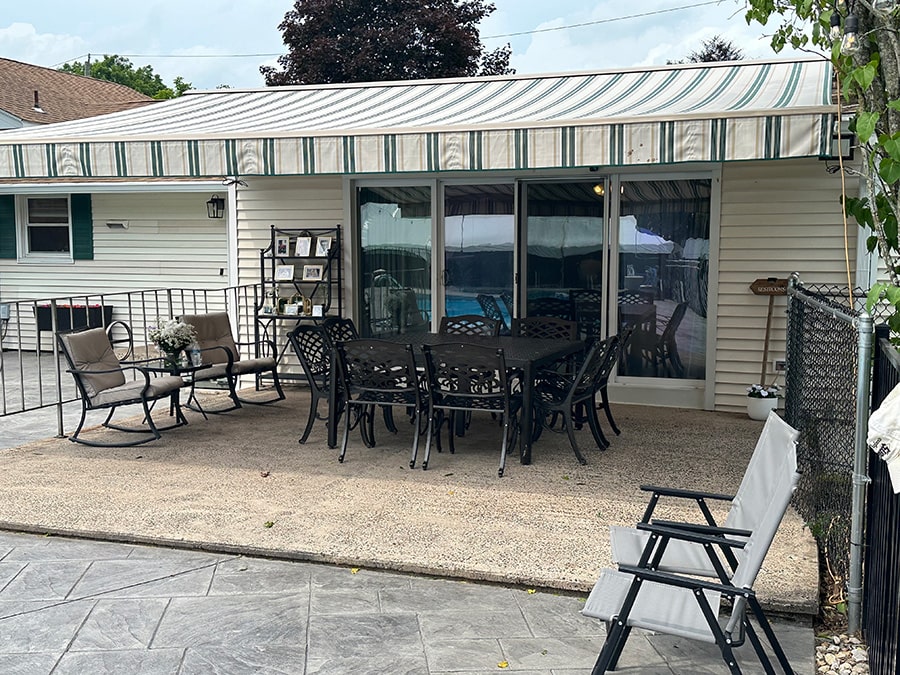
213,42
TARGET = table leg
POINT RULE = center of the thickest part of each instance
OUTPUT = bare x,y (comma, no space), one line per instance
332,403
526,415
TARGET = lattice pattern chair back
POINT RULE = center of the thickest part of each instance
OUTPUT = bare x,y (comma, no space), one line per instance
507,299
340,329
469,377
662,350
586,310
491,310
557,307
313,349
635,297
469,324
546,328
378,372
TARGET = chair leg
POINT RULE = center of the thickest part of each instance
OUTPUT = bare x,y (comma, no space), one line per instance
415,447
346,435
604,398
503,438
570,430
387,412
428,434
616,636
596,431
313,410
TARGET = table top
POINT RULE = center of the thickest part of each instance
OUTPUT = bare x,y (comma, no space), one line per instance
161,365
518,351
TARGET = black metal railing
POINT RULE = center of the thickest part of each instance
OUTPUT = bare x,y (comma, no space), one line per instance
881,589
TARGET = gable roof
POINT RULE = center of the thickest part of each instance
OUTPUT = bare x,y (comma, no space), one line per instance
678,113
59,96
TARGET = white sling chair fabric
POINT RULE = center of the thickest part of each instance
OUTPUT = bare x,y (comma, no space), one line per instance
776,439
674,610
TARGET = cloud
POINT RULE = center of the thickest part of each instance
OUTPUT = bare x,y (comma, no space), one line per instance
44,49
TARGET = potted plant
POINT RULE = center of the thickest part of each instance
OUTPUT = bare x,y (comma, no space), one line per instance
761,399
171,336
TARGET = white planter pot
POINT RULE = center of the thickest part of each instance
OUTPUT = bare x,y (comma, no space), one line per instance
758,408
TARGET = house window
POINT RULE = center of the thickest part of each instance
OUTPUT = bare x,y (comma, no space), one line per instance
47,226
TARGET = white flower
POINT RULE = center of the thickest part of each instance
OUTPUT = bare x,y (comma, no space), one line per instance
760,391
170,335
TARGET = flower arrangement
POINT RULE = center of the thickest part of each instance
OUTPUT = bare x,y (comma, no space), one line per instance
763,391
172,335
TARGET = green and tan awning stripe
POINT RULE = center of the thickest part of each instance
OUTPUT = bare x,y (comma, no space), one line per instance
693,113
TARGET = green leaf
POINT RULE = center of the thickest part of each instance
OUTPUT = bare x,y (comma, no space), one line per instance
889,170
892,293
865,125
871,243
874,295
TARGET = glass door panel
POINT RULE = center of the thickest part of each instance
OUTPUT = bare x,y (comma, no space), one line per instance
395,259
479,231
564,223
663,262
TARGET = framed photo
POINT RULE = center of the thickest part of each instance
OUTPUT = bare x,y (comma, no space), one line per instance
323,246
302,247
285,272
312,272
282,246
292,309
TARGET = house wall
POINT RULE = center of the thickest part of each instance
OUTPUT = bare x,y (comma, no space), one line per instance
776,218
169,243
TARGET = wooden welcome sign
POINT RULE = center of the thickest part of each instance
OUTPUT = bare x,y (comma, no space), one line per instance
770,287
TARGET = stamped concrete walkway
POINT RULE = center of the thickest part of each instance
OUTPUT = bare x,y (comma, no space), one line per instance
73,606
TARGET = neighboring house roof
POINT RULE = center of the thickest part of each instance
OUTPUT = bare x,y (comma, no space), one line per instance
38,95
678,113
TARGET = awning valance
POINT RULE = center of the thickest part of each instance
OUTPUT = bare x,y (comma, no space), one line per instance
682,113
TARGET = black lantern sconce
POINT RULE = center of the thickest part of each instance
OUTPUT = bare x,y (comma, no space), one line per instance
215,207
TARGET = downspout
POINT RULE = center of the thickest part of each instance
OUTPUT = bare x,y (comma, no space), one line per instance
865,330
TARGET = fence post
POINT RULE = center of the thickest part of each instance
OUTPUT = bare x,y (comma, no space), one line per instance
865,333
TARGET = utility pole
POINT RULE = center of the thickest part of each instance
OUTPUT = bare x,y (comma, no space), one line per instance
87,66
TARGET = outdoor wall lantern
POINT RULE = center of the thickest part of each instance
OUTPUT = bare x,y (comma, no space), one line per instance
215,207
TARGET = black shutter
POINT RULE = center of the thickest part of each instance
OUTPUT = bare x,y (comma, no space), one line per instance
7,226
82,228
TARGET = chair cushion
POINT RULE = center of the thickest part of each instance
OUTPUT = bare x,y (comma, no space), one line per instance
213,330
131,391
90,350
248,366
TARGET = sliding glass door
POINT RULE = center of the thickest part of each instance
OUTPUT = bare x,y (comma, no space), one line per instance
395,235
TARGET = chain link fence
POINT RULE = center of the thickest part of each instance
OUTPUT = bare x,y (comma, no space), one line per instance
820,401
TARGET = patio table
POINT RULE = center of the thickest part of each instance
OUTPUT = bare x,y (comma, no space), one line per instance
527,355
185,371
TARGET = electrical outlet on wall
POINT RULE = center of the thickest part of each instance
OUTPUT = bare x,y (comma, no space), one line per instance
4,312
779,365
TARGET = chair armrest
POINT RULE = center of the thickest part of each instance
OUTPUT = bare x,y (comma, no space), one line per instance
671,579
687,494
702,529
686,535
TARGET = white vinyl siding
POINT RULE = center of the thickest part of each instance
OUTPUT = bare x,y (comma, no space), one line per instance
776,218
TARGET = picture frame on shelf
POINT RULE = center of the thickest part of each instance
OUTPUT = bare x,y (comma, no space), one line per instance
291,309
312,272
302,247
284,272
282,246
323,246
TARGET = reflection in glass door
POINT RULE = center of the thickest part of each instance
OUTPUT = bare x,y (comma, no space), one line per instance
564,273
479,230
663,263
395,259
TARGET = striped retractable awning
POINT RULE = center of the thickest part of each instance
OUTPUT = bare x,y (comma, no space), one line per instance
682,113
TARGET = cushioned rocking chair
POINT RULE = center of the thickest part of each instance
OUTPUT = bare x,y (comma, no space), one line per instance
219,348
102,384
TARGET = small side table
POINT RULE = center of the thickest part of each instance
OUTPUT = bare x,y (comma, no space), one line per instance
186,372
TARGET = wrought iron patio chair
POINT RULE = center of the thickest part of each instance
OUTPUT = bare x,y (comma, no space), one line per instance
313,349
644,596
557,307
661,350
469,324
491,309
101,382
507,299
586,310
219,348
545,328
377,372
628,296
556,394
466,378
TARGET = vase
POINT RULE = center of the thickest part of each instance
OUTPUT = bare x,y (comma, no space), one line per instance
172,357
758,408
